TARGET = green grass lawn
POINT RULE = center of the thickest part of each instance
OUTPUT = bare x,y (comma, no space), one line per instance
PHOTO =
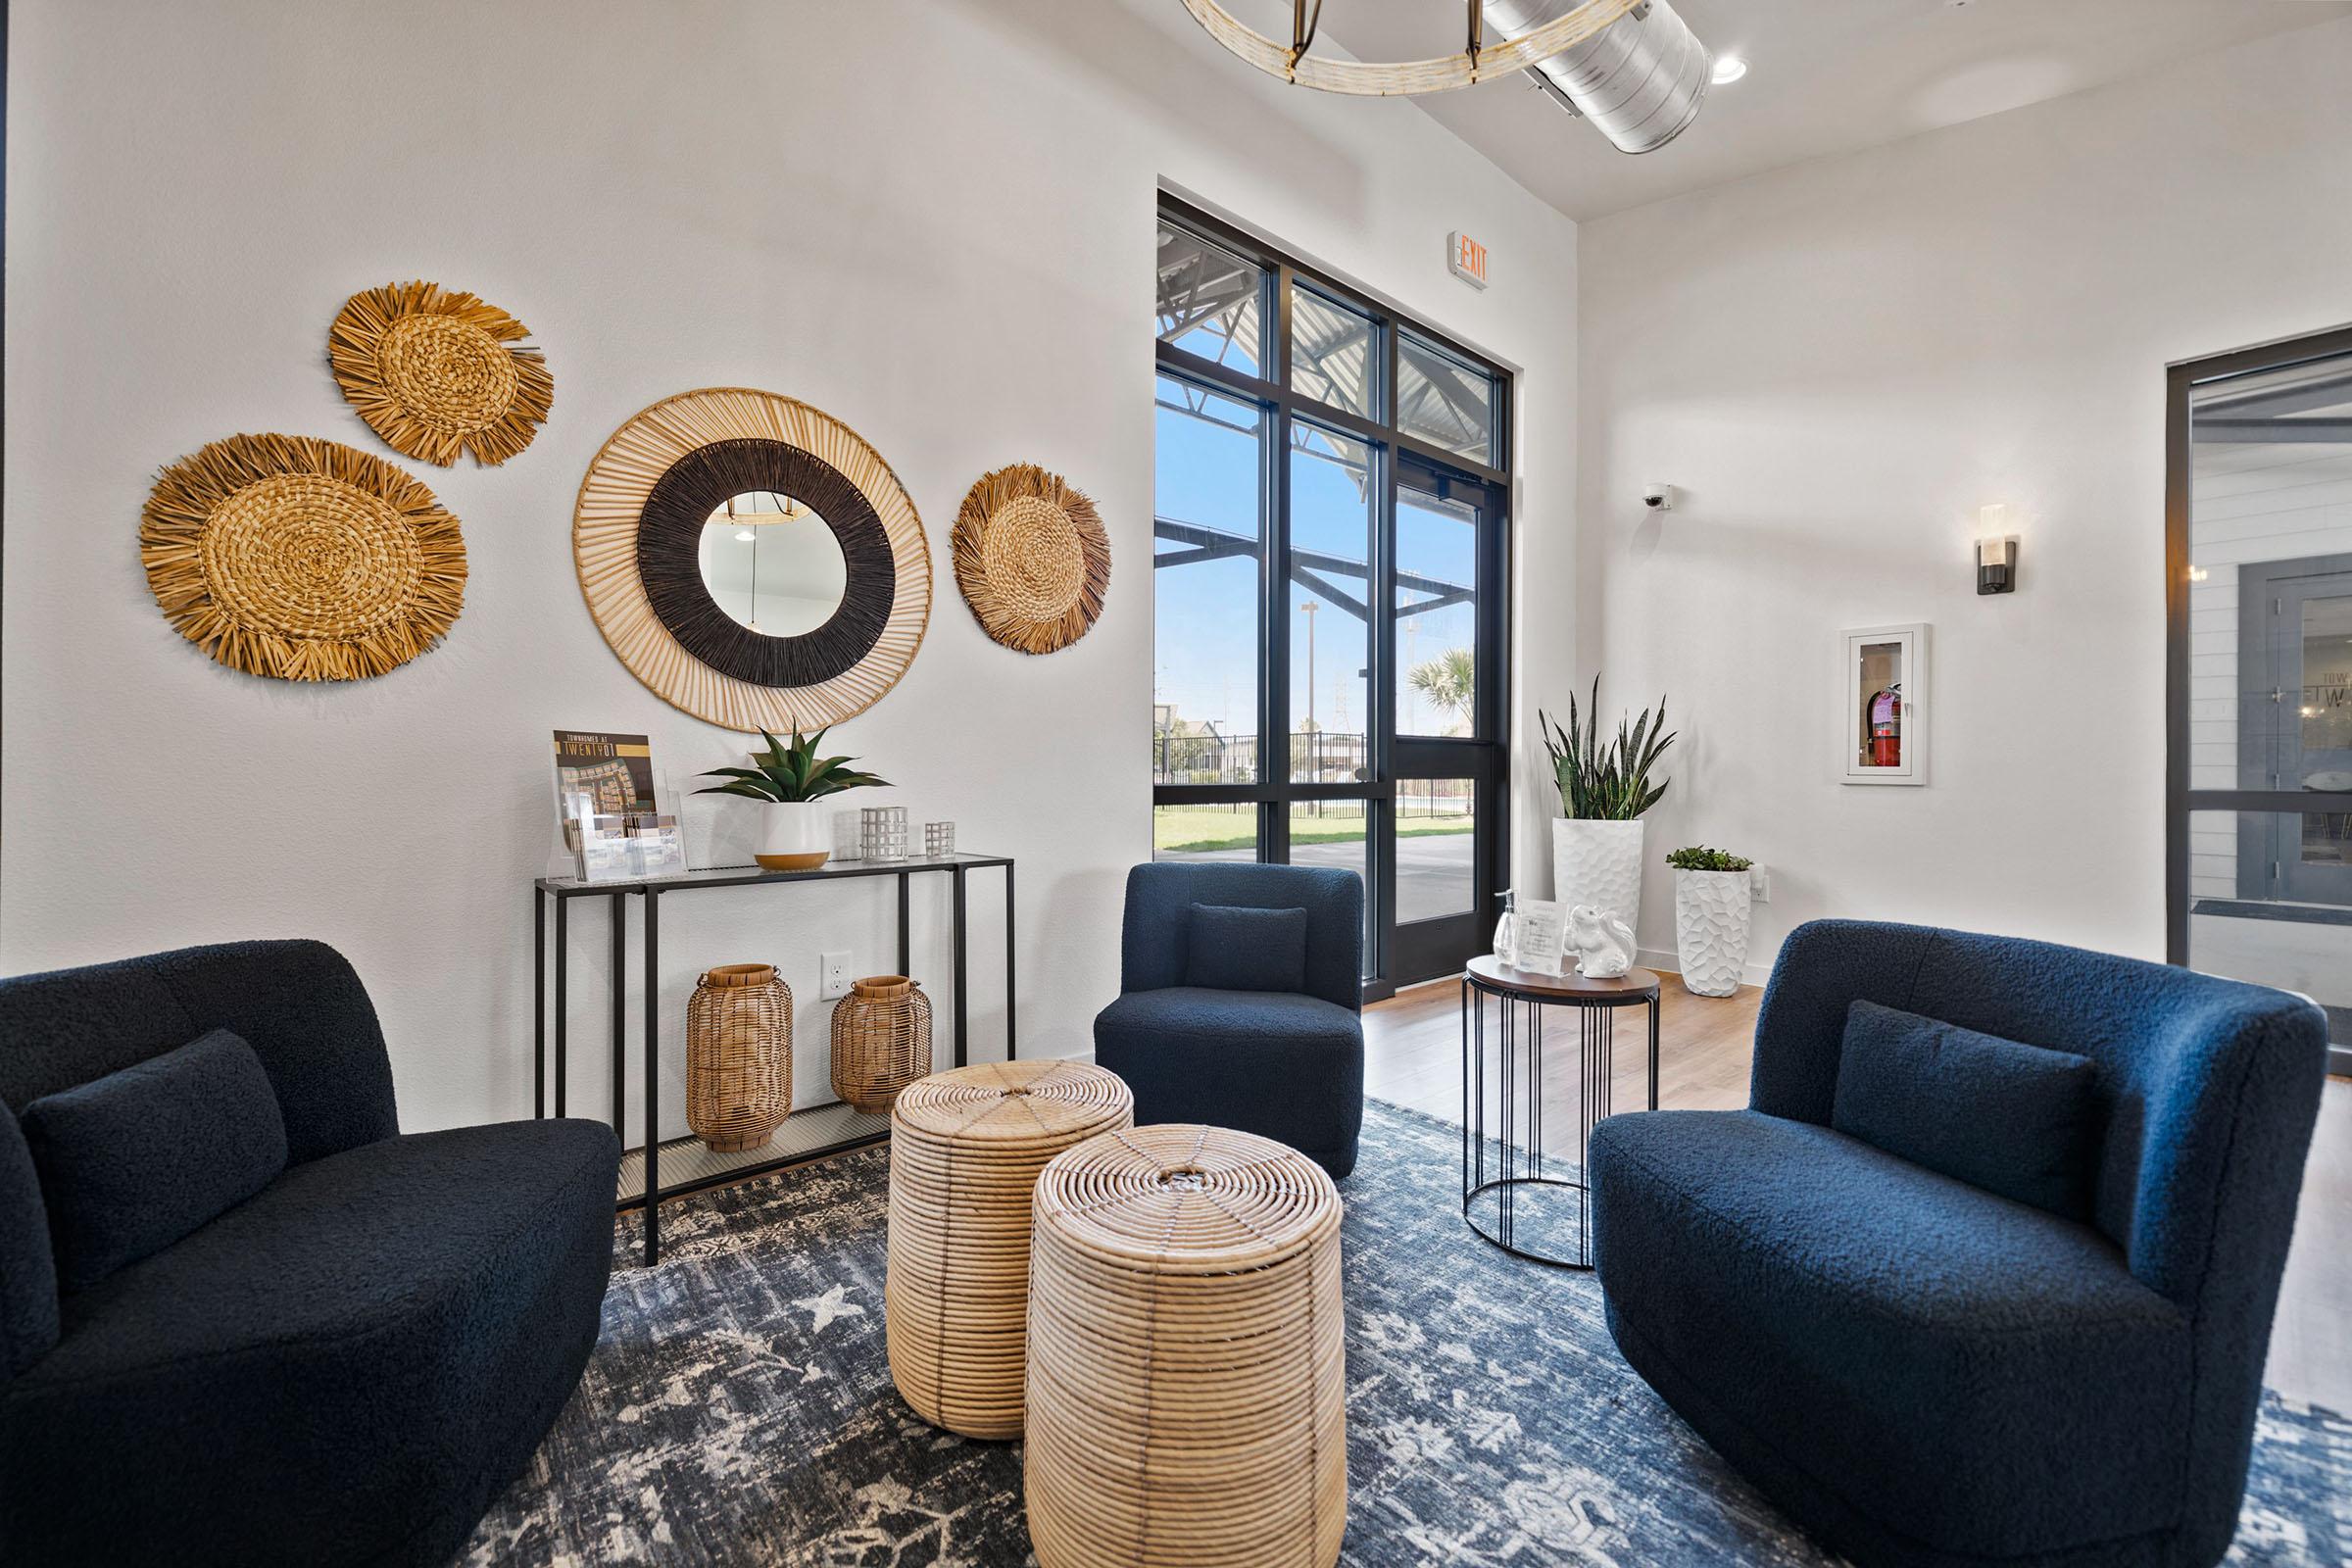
1198,829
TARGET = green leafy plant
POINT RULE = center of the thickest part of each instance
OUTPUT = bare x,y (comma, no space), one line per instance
1606,780
784,774
1698,858
1447,683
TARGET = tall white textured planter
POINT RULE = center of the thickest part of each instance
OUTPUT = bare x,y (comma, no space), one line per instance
1598,863
1710,930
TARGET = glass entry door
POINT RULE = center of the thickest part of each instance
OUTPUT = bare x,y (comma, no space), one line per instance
2259,501
2297,722
1445,826
1330,530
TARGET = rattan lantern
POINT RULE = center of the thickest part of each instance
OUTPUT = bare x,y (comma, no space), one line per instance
965,1148
881,1041
1188,1381
738,1056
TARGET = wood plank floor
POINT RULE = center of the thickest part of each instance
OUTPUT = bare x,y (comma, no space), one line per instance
1413,1058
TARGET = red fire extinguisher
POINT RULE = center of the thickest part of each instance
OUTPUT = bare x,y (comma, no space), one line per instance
1886,727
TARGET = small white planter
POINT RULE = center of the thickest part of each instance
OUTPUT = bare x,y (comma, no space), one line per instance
1598,863
1710,930
795,836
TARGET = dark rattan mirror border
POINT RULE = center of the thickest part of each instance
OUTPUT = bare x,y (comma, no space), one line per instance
669,534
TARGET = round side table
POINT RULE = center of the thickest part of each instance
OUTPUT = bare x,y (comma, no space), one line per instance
1510,1195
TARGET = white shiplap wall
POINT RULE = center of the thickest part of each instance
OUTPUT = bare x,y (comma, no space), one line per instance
2250,504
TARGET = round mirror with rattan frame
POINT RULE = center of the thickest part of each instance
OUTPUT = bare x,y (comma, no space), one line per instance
636,532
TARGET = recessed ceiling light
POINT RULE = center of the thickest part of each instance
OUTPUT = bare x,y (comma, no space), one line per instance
745,536
1727,69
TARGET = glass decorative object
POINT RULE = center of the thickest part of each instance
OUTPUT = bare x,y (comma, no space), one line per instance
849,835
939,840
884,830
738,1056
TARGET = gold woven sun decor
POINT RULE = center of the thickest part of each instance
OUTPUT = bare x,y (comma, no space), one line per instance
436,373
1031,558
301,560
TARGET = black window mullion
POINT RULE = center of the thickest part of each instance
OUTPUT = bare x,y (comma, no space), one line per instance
1274,697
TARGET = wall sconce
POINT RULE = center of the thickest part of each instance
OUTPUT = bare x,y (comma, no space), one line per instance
1996,552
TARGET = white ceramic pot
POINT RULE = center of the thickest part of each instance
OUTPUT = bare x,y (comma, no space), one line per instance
796,836
1598,863
1710,930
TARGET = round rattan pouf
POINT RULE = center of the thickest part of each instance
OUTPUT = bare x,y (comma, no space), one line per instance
965,1148
1187,1376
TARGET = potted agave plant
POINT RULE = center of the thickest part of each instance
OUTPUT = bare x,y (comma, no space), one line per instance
790,780
1711,901
1605,786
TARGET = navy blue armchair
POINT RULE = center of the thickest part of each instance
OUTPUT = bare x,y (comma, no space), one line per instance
1241,1019
1924,1372
347,1367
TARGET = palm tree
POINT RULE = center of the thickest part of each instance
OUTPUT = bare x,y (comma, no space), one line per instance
1446,682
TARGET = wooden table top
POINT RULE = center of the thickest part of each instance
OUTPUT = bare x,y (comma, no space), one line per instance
1635,985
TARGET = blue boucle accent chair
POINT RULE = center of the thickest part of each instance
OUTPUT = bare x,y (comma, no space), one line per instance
1248,1015
1922,1371
345,1366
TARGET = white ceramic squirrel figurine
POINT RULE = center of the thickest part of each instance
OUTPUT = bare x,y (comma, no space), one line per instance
1603,944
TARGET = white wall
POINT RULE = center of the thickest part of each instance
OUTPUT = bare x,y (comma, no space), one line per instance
935,221
1840,363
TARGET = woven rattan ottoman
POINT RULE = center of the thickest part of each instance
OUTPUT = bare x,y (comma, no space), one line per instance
1187,1378
965,1148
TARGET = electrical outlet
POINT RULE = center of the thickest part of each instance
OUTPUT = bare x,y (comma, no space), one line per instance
1759,884
833,976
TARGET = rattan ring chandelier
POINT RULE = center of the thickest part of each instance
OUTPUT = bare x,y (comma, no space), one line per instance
1479,60
636,533
1032,558
302,560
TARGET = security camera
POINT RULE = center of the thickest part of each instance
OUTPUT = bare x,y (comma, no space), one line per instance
1658,497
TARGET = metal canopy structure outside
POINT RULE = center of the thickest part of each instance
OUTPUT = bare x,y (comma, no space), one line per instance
1205,291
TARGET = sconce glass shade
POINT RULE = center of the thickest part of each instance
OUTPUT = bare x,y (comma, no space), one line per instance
1996,565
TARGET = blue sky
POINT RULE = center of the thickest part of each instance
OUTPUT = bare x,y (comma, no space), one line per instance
1206,657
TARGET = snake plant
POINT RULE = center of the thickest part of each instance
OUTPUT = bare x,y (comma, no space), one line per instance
1606,780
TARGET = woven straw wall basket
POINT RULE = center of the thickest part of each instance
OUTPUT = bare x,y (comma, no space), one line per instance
1187,1372
436,373
301,560
737,1055
1032,558
965,1148
881,1041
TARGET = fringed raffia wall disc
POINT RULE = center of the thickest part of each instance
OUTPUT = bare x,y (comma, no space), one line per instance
435,372
640,510
302,560
1031,558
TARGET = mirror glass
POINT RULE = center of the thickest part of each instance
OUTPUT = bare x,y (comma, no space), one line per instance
773,563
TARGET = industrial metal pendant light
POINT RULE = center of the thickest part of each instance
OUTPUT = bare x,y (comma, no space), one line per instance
1633,68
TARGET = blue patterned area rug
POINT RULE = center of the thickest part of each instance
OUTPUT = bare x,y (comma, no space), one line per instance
739,1408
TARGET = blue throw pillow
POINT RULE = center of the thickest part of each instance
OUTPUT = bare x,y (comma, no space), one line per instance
1246,950
2014,1119
133,1161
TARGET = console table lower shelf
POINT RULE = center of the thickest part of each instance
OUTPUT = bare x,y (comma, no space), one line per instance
658,1168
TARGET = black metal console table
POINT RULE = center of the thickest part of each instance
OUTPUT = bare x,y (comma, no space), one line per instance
1553,1209
807,1134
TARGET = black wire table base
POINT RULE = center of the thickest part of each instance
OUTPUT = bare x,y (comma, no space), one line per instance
1516,1194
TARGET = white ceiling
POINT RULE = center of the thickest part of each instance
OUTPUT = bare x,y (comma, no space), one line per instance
1824,76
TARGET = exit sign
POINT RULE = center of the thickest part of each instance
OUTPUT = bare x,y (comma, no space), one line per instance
1466,259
